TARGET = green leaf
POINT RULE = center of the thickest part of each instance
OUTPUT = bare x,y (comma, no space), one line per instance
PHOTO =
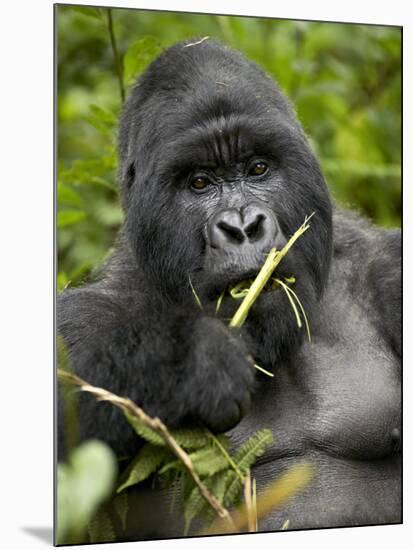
206,462
186,485
233,487
88,11
245,457
104,115
82,485
188,438
146,433
70,217
191,438
100,528
107,213
62,281
138,56
101,119
63,358
195,504
146,462
253,448
101,182
67,195
121,506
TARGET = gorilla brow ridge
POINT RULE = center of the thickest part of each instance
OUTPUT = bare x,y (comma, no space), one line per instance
226,141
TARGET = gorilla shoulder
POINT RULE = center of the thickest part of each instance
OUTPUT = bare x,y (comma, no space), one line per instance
371,259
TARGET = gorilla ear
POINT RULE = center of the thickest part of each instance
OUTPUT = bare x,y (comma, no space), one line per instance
129,176
127,179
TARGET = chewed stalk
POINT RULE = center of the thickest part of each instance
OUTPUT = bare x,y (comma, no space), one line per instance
293,296
219,302
270,264
197,300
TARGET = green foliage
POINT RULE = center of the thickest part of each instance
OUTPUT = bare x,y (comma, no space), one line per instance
194,438
344,80
187,438
121,507
146,462
222,473
101,529
245,457
207,461
143,431
82,485
138,56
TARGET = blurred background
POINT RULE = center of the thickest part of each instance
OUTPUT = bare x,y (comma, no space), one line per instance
344,79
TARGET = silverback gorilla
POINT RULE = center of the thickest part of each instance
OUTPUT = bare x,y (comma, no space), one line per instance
215,170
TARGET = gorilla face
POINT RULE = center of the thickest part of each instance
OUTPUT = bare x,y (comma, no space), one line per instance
216,171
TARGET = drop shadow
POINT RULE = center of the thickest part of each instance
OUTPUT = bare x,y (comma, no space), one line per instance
45,534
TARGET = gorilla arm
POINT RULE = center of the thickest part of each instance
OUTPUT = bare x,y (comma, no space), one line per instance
181,366
384,280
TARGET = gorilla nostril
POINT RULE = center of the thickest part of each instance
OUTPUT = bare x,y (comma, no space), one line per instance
253,226
231,232
255,230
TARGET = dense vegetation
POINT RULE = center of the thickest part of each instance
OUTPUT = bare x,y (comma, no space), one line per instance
343,78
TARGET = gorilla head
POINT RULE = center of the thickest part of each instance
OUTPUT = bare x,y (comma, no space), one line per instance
216,170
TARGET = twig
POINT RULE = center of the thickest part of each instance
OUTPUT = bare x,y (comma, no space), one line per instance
254,503
118,62
274,496
248,503
127,405
197,300
196,43
265,371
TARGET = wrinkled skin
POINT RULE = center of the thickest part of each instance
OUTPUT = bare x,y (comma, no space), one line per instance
214,170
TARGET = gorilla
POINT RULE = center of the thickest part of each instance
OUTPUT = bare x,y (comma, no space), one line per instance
215,170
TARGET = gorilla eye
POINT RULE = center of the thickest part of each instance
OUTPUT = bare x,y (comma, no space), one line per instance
199,183
258,168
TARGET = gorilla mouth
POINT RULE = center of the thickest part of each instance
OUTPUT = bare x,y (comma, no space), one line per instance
240,289
235,283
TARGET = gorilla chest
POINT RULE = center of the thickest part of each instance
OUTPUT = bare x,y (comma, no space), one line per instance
340,396
352,394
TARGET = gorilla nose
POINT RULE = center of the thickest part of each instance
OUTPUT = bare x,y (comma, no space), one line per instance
253,225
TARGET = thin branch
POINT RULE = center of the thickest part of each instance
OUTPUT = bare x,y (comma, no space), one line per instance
274,496
248,504
227,456
254,503
196,43
117,58
158,426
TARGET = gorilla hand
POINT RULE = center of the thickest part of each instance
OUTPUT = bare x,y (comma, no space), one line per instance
223,373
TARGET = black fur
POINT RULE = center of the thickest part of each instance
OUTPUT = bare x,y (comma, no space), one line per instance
138,331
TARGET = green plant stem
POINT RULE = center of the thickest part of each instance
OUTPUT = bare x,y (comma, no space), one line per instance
117,58
227,456
272,261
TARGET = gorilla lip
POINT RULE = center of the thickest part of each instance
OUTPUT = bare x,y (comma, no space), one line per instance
241,288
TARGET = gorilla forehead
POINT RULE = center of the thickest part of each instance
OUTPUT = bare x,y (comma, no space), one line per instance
225,141
187,86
